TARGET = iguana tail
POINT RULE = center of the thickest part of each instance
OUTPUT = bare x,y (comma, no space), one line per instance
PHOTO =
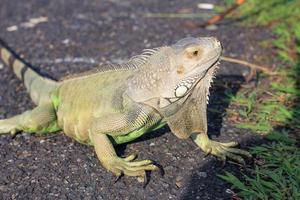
38,87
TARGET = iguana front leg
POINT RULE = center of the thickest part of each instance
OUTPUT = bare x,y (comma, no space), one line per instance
123,126
190,120
109,159
221,150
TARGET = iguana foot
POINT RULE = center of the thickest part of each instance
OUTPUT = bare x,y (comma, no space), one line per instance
221,150
7,127
126,166
225,150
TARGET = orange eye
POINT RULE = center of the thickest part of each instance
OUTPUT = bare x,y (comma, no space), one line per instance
193,52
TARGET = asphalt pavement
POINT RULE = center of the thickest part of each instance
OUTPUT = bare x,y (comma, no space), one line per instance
62,37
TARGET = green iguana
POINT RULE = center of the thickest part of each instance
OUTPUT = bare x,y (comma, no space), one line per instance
118,103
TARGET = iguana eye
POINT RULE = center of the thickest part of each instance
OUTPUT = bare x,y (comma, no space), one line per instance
193,52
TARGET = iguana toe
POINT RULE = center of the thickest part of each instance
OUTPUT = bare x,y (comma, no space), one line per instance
128,167
221,150
225,150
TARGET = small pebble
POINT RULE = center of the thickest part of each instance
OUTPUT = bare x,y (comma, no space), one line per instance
152,144
206,6
229,191
26,136
230,131
167,168
179,184
179,178
202,174
166,185
12,28
179,181
211,27
66,41
140,179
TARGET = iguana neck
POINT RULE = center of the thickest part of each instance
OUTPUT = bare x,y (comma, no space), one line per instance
150,77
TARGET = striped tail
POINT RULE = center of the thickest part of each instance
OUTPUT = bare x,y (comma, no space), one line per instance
37,86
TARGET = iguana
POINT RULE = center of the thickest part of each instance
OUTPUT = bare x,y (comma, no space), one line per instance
118,103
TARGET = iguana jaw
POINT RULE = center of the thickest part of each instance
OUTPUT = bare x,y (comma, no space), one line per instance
191,80
184,88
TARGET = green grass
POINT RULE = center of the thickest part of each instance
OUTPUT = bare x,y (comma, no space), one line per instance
272,108
277,174
269,106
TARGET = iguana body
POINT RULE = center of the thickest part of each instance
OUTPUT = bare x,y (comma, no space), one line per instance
166,85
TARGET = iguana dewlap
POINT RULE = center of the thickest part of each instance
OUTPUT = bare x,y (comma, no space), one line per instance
120,102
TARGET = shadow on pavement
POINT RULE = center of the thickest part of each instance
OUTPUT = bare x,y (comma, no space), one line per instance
209,185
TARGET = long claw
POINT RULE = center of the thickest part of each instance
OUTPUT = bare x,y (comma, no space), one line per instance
161,169
13,136
223,164
146,179
208,152
119,177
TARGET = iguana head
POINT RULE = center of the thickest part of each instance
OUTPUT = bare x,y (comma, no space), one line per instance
192,58
168,74
175,80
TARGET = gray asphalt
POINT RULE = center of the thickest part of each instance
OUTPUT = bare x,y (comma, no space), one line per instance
77,36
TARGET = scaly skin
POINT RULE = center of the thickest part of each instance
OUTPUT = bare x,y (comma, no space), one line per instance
166,85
